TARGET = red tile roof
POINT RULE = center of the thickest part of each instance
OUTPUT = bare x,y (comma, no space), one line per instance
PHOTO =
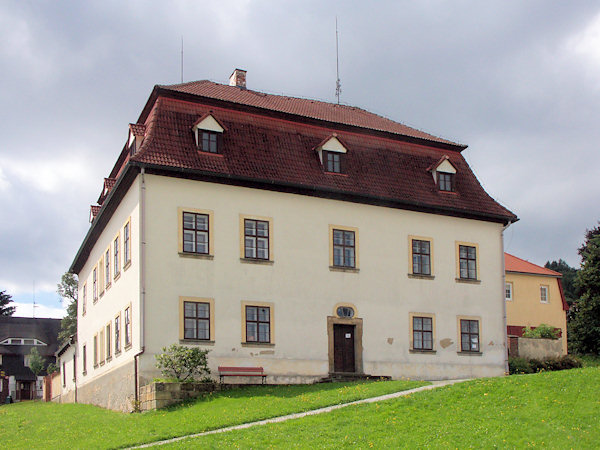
314,109
261,147
138,129
514,264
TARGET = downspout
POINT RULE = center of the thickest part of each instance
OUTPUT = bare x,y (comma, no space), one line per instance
504,319
142,309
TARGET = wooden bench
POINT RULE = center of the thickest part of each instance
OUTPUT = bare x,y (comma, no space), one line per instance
242,372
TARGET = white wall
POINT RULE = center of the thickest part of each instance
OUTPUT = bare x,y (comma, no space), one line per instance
123,291
305,291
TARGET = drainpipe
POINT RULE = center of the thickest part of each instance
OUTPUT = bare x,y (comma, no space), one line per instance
142,279
504,320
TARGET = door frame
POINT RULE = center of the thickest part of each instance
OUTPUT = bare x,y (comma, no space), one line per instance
358,346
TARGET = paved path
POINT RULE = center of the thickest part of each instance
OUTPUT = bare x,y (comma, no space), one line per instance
433,385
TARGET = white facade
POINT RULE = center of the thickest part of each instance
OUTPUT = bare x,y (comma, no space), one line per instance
298,284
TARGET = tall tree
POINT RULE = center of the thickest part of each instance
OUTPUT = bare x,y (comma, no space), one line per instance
5,299
584,327
67,289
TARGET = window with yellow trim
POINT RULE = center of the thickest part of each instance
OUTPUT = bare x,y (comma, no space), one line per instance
127,243
343,247
195,233
422,332
256,238
421,255
467,261
257,323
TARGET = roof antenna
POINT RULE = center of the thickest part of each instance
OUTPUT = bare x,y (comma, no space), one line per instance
338,84
34,305
182,59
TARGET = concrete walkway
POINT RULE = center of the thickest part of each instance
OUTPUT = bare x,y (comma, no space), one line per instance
433,385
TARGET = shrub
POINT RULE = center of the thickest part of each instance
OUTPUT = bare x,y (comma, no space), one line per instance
518,365
523,365
541,332
184,364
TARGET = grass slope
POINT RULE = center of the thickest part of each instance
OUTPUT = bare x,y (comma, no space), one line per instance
47,425
552,409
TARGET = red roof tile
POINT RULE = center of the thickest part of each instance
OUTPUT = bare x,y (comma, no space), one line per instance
330,112
261,147
514,264
138,129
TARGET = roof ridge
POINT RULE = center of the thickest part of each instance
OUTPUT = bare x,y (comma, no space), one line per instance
533,264
386,124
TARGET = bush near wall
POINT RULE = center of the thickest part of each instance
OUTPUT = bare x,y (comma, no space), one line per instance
523,365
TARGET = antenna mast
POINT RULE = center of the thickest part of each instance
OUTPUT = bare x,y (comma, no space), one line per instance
182,59
338,84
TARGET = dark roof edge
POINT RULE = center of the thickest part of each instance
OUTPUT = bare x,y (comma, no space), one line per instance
162,91
314,191
549,275
63,348
106,211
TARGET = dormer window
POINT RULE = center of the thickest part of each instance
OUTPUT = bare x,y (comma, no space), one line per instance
209,142
331,154
333,162
445,181
208,133
137,132
443,172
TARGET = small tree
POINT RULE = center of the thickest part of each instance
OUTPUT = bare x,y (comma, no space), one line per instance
183,363
36,362
67,289
5,299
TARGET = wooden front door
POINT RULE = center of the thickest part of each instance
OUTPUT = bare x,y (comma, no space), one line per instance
25,390
343,348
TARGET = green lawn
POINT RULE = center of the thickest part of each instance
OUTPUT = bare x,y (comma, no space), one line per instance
47,425
551,409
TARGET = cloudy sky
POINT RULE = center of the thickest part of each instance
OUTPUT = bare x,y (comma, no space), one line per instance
519,82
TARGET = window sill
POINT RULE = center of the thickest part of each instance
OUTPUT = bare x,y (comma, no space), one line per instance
447,192
102,363
343,269
268,262
127,265
95,366
196,255
414,350
117,354
339,174
421,277
196,341
257,344
95,301
117,276
469,353
107,287
109,359
128,346
467,280
84,373
101,295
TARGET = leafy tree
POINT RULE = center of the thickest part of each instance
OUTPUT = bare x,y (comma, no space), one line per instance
584,327
5,299
183,363
67,289
51,368
36,362
568,278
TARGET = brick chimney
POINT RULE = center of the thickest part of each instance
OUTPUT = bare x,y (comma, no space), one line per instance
238,78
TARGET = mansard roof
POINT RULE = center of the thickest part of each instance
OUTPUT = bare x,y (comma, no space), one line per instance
268,143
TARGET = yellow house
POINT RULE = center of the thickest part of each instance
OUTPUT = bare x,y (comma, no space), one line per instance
534,295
